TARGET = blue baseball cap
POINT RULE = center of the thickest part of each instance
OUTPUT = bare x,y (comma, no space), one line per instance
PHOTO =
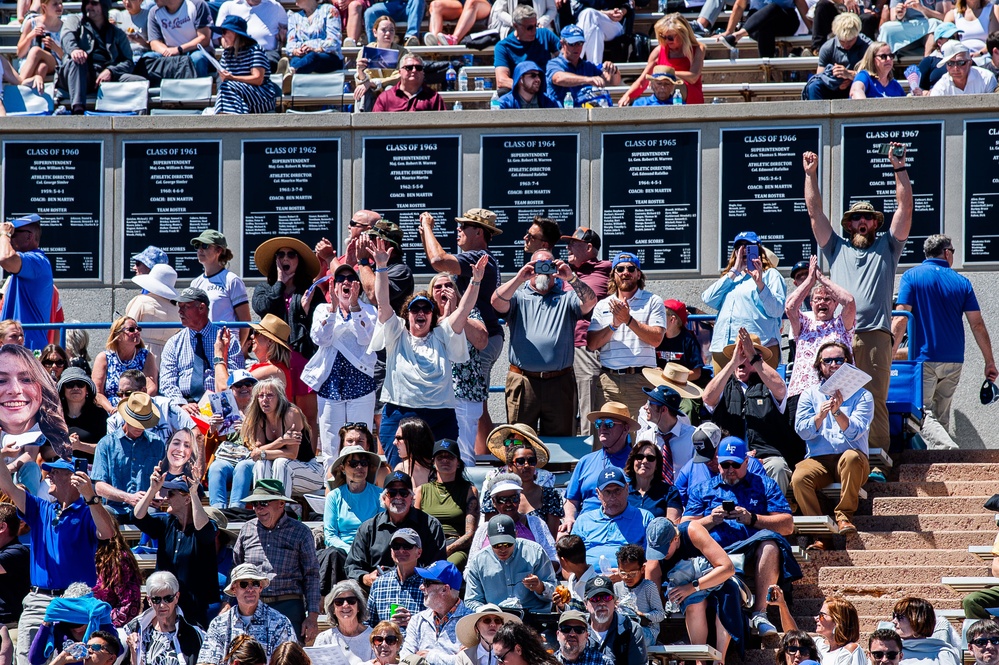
151,256
176,484
626,257
798,267
659,535
746,237
59,464
611,476
946,31
418,299
24,221
572,34
441,571
664,396
523,68
732,449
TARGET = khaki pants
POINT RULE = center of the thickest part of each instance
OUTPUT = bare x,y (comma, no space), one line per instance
849,469
586,366
548,405
872,353
939,384
32,616
624,388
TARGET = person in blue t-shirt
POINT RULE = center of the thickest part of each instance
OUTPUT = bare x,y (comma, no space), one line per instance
876,74
526,93
29,290
938,297
664,84
526,42
570,72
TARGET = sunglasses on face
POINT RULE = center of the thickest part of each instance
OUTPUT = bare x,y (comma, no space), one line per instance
671,38
132,329
729,465
491,621
403,546
626,269
882,655
413,68
602,598
646,458
357,225
197,245
526,461
355,463
53,363
422,308
387,639
156,600
857,216
244,584
502,546
506,500
340,279
957,63
885,56
75,384
347,600
981,642
404,493
290,254
96,648
794,648
839,360
573,630
604,423
263,504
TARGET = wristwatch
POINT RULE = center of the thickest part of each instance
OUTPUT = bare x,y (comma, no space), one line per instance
94,501
217,359
696,584
263,455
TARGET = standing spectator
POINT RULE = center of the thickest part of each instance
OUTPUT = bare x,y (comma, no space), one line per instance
290,268
750,294
314,41
162,631
155,303
615,634
227,299
541,314
963,77
452,499
347,612
476,632
569,72
528,42
510,567
680,358
28,291
432,632
266,23
15,564
281,549
615,524
679,49
864,264
667,431
399,586
143,262
123,351
626,328
876,74
583,258
938,297
409,94
176,29
838,60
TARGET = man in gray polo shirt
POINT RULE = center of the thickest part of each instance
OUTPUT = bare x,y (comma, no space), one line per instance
541,313
864,264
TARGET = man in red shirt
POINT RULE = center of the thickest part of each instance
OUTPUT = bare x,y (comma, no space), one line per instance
409,94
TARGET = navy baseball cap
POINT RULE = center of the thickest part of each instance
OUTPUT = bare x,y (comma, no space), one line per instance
444,572
664,396
798,267
732,449
611,476
398,477
447,446
177,484
24,221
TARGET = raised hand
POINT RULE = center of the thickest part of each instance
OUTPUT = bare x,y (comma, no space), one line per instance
810,161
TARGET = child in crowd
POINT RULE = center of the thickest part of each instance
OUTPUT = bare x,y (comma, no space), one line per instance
637,594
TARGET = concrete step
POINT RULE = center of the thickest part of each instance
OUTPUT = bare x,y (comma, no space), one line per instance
940,472
939,488
918,505
945,456
905,574
892,558
984,523
879,607
910,540
889,588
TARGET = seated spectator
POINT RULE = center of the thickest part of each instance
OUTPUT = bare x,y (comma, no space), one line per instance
962,77
410,11
371,548
176,29
574,570
38,46
510,567
229,448
396,593
386,643
573,641
103,648
347,611
266,625
904,23
704,465
876,74
983,642
526,92
977,603
646,487
975,19
452,499
70,619
755,527
838,628
476,632
525,456
172,417
678,48
528,42
637,594
245,85
15,563
765,21
915,622
96,51
929,73
353,498
54,359
133,19
664,84
992,45
835,431
518,644
244,650
838,60
409,94
467,13
119,580
186,539
415,445
433,632
369,82
87,422
615,634
666,427
155,303
266,24
797,646
163,630
125,458
505,495
501,15
616,523
569,72
123,351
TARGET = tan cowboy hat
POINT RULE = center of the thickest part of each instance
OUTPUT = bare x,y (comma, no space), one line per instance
274,328
482,218
246,571
729,350
139,411
863,206
374,463
614,411
496,445
772,258
263,257
465,630
665,72
675,376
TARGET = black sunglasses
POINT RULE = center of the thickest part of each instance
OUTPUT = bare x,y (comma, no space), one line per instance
526,461
834,361
730,465
355,463
626,269
403,546
349,600
125,393
413,68
53,363
132,329
648,458
290,254
881,655
980,642
421,308
387,639
506,499
404,493
340,279
243,584
857,216
794,648
570,630
156,600
75,384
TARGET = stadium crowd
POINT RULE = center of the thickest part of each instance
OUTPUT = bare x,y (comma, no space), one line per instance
360,391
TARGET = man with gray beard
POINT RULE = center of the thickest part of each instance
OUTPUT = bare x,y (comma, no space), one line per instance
541,313
615,634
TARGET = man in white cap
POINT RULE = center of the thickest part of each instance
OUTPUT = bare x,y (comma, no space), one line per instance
28,295
510,568
963,77
617,522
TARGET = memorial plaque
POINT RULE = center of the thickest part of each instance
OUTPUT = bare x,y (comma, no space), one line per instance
869,176
981,191
523,177
289,190
64,184
763,189
650,197
408,175
172,192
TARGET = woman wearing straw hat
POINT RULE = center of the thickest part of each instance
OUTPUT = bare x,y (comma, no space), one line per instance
524,454
476,632
290,267
155,305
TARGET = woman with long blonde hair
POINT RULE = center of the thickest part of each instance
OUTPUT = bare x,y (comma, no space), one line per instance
678,48
124,350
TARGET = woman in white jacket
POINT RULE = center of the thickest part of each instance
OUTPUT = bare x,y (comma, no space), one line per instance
342,370
501,15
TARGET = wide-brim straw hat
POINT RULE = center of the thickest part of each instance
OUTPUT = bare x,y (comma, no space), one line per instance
374,463
499,434
675,376
465,630
615,411
729,350
139,411
263,257
246,571
275,329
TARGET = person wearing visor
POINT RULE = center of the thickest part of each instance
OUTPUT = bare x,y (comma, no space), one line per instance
664,83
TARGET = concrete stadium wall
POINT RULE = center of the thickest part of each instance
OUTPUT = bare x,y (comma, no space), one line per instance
96,300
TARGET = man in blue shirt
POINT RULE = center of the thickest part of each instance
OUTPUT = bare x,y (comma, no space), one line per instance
64,536
704,465
526,42
526,93
570,72
616,524
664,83
124,460
28,297
938,296
510,567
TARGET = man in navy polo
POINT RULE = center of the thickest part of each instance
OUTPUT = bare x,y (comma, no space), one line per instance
570,72
616,524
525,42
64,538
938,296
28,297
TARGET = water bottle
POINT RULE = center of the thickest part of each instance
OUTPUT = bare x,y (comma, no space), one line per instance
494,104
604,566
346,87
77,650
469,60
458,106
462,80
677,98
450,77
567,101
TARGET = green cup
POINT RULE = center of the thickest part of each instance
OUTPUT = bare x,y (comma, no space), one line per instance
392,608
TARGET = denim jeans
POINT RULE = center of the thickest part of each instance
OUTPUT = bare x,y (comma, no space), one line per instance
242,482
410,11
220,474
316,62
